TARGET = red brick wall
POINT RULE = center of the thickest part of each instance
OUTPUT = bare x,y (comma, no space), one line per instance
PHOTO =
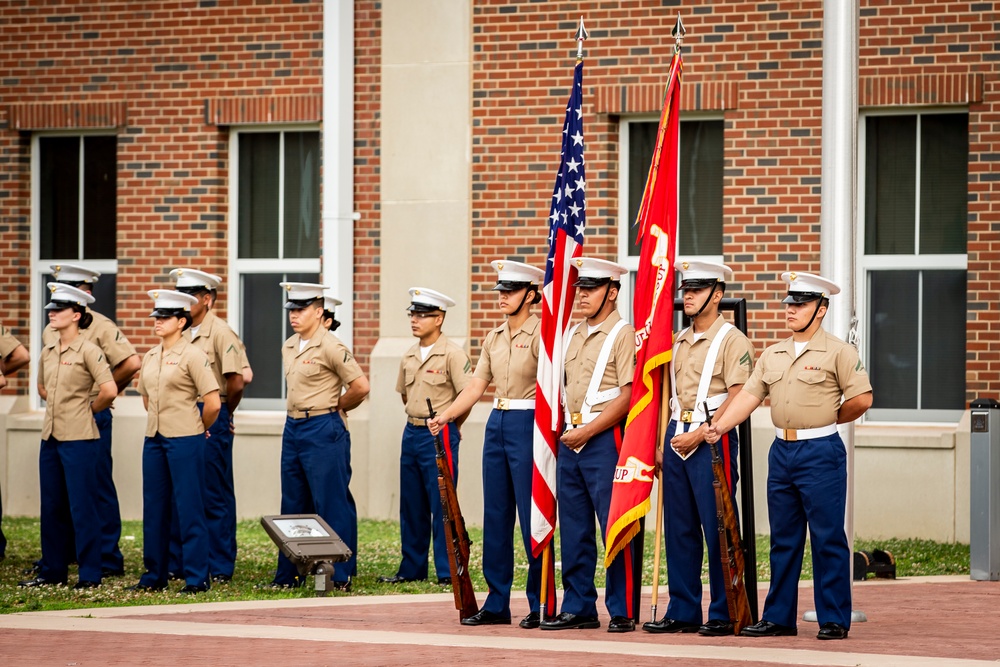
367,197
759,64
165,60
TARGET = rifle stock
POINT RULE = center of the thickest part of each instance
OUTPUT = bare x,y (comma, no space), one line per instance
456,536
729,544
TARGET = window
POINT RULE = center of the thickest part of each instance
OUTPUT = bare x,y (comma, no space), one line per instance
699,223
914,191
277,232
74,213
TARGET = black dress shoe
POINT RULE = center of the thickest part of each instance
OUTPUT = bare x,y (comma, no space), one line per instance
531,621
34,569
484,617
80,585
111,572
174,576
444,581
143,588
192,589
716,627
768,629
832,631
394,579
39,581
221,578
621,624
567,621
669,625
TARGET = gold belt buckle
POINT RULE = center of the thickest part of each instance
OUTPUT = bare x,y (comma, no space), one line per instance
791,435
503,404
686,416
576,418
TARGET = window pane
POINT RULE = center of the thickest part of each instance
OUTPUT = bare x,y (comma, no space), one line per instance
59,197
700,196
893,363
890,184
944,182
301,194
943,348
265,327
100,193
104,294
641,142
258,195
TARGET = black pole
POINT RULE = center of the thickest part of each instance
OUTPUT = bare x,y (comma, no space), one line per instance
739,308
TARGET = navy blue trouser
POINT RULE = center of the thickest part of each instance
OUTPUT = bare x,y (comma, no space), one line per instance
173,475
508,466
690,519
109,512
315,479
420,500
807,485
584,479
220,501
69,509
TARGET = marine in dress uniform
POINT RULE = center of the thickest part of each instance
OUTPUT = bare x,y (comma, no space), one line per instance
124,362
315,445
436,369
13,357
68,368
509,360
599,365
174,375
225,351
711,361
806,376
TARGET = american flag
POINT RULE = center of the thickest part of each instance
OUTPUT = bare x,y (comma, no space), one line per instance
566,222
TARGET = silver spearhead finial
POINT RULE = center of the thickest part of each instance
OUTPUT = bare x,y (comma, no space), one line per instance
678,33
581,34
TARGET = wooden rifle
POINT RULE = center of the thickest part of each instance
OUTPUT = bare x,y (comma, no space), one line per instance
456,536
729,541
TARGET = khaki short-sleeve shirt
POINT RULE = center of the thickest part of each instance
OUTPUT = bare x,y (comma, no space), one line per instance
581,361
103,333
440,377
173,380
732,367
316,375
7,343
221,345
805,391
511,363
67,376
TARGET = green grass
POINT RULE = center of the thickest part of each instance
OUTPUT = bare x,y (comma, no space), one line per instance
378,555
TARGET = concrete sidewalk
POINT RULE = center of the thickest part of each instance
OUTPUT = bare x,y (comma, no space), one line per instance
912,623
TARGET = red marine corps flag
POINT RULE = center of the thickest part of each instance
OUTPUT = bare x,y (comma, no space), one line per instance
567,218
652,310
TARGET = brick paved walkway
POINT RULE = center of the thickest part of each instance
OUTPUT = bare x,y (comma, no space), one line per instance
912,623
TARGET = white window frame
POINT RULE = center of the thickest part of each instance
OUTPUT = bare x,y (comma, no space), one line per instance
279,267
913,262
631,262
40,267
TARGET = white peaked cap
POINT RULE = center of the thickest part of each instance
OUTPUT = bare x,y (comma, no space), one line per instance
298,295
62,293
592,267
424,296
704,271
194,278
330,302
170,300
74,273
809,284
517,272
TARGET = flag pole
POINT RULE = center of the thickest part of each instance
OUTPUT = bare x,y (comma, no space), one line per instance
661,432
548,566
